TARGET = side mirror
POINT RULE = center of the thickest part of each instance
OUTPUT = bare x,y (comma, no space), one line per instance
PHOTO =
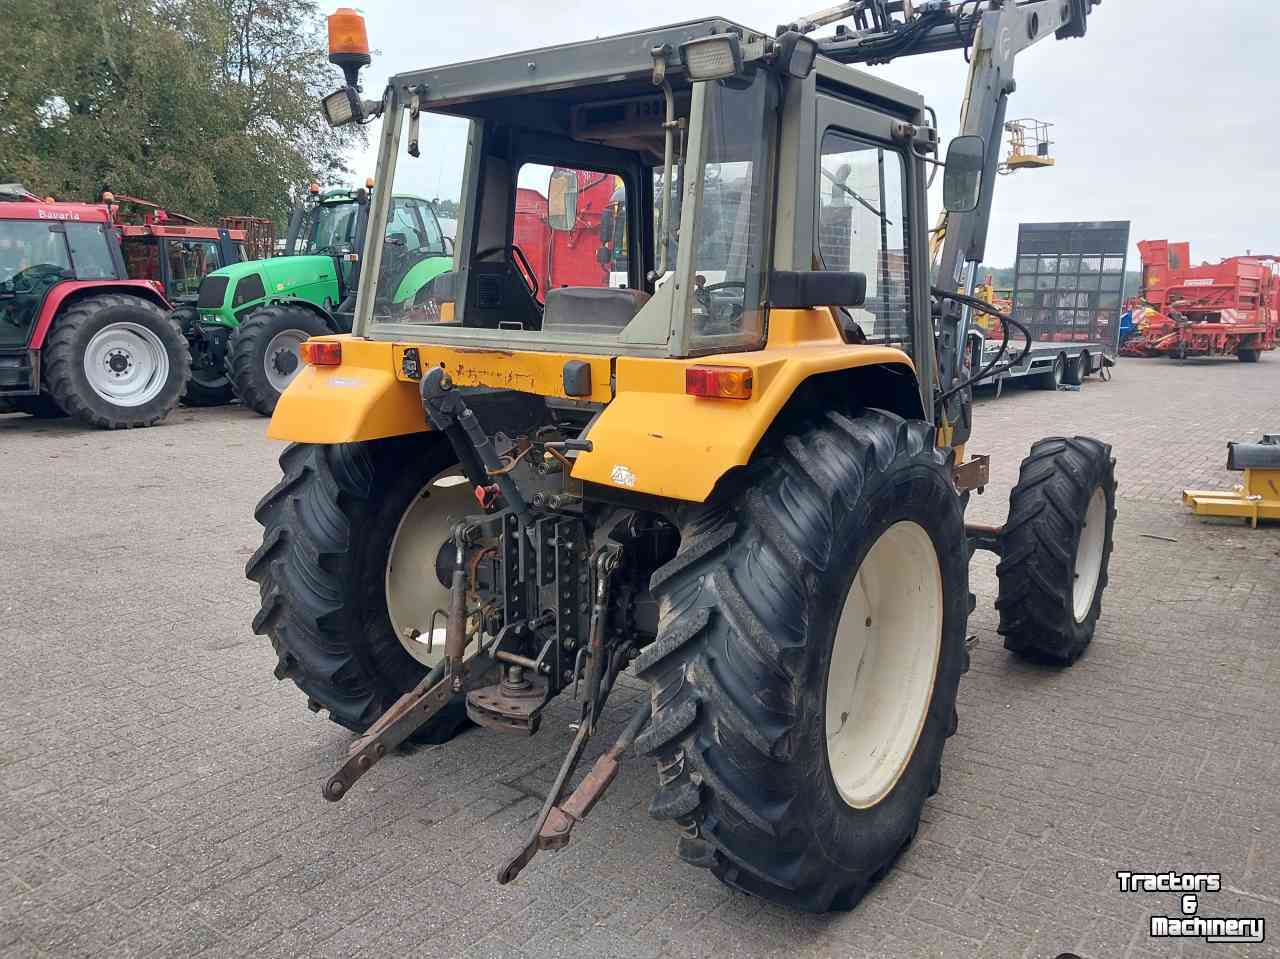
448,246
562,200
803,289
962,181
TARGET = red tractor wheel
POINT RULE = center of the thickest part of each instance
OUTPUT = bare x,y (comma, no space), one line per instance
116,362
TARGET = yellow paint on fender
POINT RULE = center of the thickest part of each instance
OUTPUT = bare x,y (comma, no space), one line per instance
654,438
359,400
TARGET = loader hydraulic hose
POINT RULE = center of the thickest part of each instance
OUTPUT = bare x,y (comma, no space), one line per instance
1005,322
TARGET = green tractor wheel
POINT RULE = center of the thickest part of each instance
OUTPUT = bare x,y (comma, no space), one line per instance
265,353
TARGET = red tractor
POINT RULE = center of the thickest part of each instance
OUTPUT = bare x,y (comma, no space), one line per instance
77,336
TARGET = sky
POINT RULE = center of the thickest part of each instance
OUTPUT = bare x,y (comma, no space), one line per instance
1164,115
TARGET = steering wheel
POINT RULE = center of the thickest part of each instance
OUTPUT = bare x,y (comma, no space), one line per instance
722,312
517,261
41,272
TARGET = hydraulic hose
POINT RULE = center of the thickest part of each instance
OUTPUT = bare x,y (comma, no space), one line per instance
1005,322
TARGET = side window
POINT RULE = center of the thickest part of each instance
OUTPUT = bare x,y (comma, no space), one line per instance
32,259
862,227
90,251
432,238
141,257
405,225
189,261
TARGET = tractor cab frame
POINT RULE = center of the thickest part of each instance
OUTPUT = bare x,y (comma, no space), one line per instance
776,193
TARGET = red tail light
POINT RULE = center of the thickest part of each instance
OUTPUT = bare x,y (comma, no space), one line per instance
322,353
720,382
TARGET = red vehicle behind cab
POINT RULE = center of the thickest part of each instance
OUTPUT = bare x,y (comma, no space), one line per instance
77,336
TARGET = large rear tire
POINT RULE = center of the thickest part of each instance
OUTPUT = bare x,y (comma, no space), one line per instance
350,537
810,645
1056,548
116,362
263,355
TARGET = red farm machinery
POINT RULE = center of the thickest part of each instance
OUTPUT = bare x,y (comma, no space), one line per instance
1231,308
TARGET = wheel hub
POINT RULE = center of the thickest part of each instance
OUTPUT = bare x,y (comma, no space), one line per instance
126,364
883,662
285,362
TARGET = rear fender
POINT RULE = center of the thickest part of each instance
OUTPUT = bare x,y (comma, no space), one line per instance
71,291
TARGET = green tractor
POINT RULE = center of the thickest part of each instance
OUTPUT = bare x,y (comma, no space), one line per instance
256,315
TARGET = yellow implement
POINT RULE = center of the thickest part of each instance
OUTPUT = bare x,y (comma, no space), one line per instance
1258,497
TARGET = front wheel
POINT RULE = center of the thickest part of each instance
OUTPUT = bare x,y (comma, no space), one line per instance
1056,549
116,362
1247,355
343,627
804,675
265,353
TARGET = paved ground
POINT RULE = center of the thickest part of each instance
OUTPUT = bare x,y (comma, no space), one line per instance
160,792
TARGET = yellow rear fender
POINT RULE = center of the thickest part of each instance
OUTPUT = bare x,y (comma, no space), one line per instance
360,400
655,438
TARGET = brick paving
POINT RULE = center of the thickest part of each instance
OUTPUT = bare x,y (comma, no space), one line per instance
161,792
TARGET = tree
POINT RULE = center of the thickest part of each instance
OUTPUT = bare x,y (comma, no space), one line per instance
209,108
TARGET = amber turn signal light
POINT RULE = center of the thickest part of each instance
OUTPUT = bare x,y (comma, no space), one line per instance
347,33
322,353
722,382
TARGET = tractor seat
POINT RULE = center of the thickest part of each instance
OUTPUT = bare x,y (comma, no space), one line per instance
590,310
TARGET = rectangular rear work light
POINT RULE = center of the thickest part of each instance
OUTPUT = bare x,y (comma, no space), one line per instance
322,353
712,58
718,382
341,107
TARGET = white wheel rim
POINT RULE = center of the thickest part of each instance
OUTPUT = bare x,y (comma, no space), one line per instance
1089,555
883,663
126,364
413,590
283,359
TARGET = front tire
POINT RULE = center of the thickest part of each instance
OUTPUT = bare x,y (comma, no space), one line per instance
1056,549
330,597
754,684
1248,356
263,356
116,362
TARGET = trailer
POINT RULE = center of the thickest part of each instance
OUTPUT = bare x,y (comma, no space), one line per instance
1068,284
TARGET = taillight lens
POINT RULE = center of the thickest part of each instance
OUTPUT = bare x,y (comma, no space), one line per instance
322,353
722,382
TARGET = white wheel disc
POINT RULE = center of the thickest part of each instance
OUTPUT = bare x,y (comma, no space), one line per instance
883,663
414,593
283,359
1089,555
126,364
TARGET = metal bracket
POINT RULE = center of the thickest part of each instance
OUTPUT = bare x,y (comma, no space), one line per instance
975,474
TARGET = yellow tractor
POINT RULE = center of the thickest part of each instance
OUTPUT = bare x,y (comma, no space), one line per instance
734,465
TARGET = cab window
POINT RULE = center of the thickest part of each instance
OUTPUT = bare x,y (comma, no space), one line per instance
862,227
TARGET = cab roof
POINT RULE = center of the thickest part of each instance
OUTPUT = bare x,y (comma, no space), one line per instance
54,212
605,59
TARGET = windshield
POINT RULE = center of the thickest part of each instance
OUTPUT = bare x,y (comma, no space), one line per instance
330,228
32,259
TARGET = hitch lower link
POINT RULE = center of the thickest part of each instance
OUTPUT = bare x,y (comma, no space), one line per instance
448,413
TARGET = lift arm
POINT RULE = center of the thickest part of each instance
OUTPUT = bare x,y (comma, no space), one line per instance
992,33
